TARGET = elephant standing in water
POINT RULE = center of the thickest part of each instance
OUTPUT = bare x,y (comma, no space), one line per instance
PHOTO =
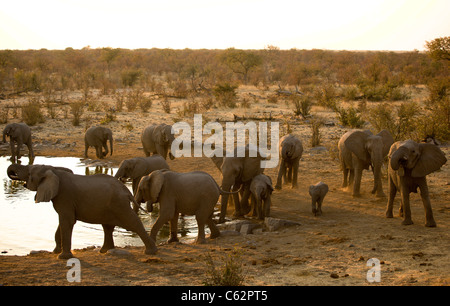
157,139
136,168
291,150
357,151
97,137
409,164
19,134
98,199
192,193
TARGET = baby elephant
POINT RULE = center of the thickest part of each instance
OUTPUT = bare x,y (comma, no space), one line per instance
317,193
97,137
19,134
192,193
261,190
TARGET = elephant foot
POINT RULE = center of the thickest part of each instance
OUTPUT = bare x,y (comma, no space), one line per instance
214,235
173,239
407,222
381,195
278,187
389,214
151,251
105,249
65,255
57,250
356,195
200,241
430,224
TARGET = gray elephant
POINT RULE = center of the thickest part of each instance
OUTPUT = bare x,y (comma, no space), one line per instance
291,150
99,199
409,164
317,193
192,193
97,137
261,191
19,134
237,173
357,151
157,139
136,168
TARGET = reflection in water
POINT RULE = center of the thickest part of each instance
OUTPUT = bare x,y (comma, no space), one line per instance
26,226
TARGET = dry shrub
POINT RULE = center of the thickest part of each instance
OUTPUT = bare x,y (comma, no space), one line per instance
31,112
229,273
76,109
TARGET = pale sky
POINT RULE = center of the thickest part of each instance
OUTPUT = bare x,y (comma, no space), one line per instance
218,24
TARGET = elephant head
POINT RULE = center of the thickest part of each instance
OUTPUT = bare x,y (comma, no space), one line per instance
371,150
39,178
163,136
419,159
149,188
9,130
128,169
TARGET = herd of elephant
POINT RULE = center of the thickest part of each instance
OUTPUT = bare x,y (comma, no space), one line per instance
104,199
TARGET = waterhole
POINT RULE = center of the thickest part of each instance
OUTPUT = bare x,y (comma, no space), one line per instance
27,226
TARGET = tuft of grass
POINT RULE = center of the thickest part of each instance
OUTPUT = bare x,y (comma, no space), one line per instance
229,272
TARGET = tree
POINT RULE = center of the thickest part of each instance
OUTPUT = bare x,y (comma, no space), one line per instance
240,61
439,48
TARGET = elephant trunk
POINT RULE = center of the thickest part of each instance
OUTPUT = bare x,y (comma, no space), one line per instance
398,157
18,172
4,135
285,151
110,143
226,186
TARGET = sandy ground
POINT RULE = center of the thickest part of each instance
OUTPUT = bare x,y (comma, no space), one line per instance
332,249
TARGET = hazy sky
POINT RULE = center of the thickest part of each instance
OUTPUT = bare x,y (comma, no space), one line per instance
220,24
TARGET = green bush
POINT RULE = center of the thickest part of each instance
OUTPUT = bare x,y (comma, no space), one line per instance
350,117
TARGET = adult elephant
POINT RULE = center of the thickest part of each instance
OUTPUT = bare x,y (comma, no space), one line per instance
291,150
97,137
192,193
99,199
238,172
19,134
136,168
157,139
357,151
409,164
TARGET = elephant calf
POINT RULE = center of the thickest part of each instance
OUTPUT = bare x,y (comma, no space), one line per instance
97,137
99,199
19,134
291,150
261,189
317,193
192,193
409,164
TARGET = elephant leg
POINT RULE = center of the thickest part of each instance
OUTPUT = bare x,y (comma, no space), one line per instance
405,205
289,175
345,174
108,242
392,189
19,146
237,203
174,228
13,151
319,206
66,224
104,145
130,221
267,203
281,173
357,182
98,151
424,194
201,230
30,153
245,207
157,225
86,147
295,173
57,248
213,228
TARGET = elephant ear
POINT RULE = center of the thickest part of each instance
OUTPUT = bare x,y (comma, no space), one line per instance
47,188
388,140
356,143
431,159
156,183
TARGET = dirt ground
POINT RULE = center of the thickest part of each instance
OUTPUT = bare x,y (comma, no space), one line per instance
332,249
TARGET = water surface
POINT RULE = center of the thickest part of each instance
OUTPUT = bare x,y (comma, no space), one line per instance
26,225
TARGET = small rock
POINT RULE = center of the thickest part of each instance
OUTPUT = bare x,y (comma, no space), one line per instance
334,275
118,252
274,224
